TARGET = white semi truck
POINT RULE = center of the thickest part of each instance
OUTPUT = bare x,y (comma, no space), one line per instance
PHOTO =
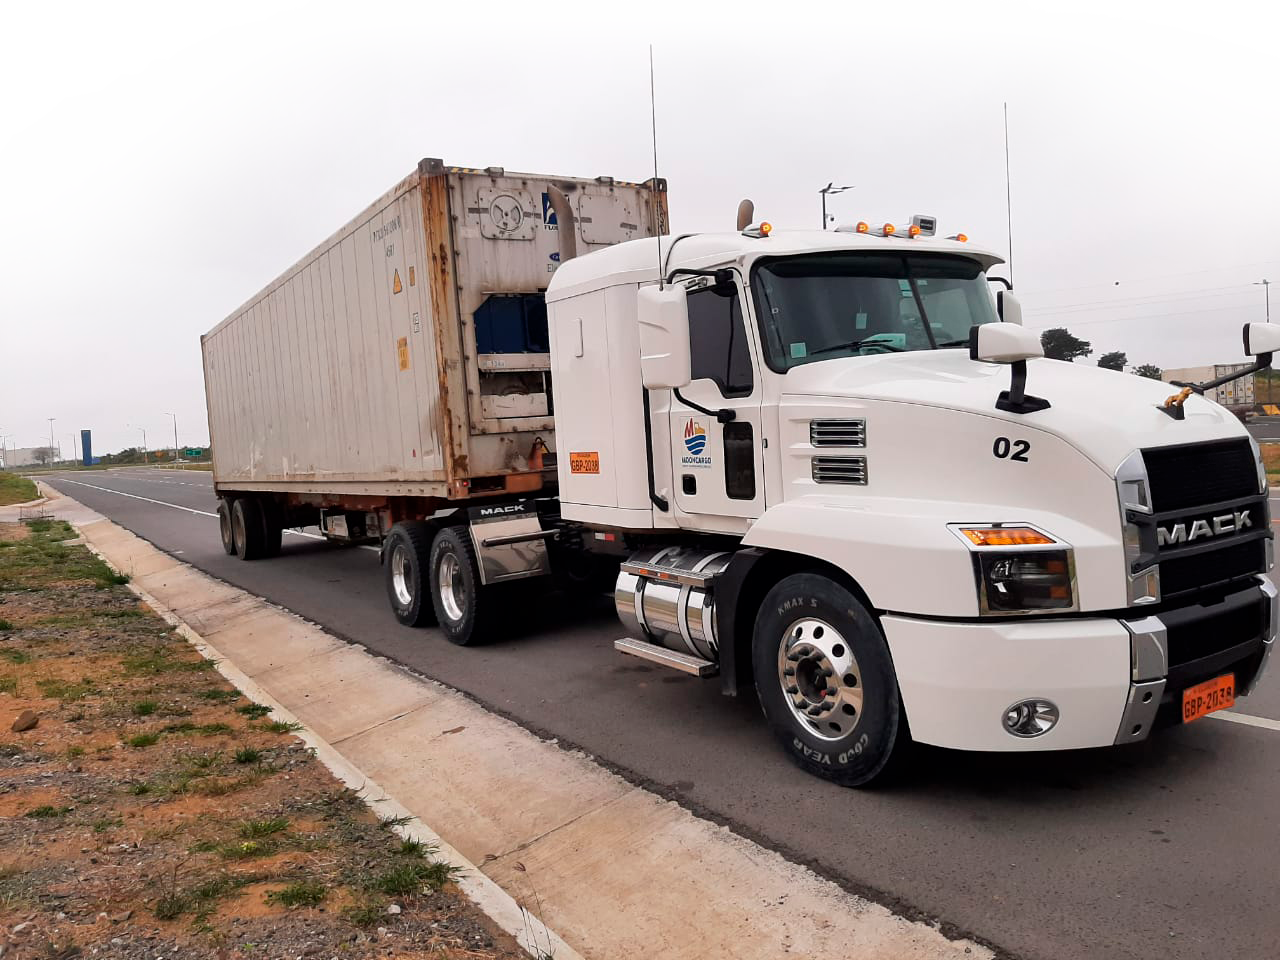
829,466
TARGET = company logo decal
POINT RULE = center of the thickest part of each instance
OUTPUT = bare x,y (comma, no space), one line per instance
1232,522
695,443
548,212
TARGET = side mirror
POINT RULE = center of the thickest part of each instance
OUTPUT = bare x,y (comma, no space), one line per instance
1261,339
1003,343
664,337
1008,307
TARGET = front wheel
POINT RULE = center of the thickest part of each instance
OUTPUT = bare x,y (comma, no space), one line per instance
826,681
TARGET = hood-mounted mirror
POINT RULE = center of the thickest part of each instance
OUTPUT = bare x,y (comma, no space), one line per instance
1006,342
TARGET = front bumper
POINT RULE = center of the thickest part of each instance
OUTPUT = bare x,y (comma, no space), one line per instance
1112,680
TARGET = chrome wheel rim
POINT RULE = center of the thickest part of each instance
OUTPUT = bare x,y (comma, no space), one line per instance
401,575
453,594
224,525
237,528
820,679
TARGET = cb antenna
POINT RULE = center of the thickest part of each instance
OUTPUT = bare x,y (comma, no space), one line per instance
1008,195
653,194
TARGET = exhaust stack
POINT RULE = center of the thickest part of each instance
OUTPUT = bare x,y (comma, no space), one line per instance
566,227
746,213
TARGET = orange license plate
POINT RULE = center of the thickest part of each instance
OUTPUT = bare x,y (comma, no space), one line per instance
1204,698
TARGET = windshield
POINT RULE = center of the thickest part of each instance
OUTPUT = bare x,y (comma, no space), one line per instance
825,305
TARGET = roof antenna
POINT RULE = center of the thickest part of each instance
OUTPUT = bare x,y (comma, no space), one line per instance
1008,202
653,195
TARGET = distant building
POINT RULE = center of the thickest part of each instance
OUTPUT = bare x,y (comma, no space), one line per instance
26,456
1234,394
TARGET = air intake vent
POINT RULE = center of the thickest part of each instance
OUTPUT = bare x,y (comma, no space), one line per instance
838,433
840,470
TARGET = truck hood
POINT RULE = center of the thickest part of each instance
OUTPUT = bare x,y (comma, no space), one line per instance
1104,414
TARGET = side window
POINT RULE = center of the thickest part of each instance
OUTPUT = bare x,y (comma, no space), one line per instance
718,341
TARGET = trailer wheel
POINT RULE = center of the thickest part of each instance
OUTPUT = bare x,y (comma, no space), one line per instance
272,527
407,555
826,681
246,528
224,527
456,591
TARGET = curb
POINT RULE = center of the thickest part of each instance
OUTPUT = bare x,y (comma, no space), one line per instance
533,936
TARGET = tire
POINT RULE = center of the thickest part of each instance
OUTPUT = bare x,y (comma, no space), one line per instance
272,527
406,559
845,725
247,528
224,527
456,592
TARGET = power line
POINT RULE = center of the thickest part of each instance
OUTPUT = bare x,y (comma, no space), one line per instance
1152,300
1150,316
1164,276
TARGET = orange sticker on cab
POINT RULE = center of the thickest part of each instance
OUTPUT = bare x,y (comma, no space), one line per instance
584,462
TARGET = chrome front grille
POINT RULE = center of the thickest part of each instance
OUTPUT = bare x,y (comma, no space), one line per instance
838,433
840,470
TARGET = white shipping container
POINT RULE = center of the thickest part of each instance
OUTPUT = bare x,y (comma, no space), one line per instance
407,354
1235,393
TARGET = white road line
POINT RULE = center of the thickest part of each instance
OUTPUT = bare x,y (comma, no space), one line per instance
1263,722
201,513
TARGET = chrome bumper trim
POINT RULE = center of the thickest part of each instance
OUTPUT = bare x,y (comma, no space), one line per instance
1140,711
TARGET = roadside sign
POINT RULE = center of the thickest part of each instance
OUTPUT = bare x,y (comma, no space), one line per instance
193,452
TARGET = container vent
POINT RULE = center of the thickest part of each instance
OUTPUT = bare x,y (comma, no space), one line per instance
838,433
840,470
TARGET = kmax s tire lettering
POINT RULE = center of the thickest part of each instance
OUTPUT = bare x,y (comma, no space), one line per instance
1218,526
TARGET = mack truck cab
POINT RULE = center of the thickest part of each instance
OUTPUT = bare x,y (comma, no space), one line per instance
835,468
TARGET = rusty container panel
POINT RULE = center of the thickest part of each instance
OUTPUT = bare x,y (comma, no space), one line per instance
362,370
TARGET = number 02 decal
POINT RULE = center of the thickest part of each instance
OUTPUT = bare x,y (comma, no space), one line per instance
1006,449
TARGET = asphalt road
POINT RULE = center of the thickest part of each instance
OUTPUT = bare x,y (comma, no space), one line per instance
1265,429
1167,848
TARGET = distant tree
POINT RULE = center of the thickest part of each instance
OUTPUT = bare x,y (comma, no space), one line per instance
1059,344
1115,360
1149,370
43,455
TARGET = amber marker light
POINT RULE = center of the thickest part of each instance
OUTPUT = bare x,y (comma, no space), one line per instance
766,228
890,229
863,227
1005,537
913,231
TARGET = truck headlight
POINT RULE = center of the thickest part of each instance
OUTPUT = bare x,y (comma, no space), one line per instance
1025,581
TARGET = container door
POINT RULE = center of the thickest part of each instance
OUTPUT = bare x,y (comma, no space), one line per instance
718,467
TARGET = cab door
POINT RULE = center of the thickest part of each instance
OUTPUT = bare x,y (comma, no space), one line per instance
717,460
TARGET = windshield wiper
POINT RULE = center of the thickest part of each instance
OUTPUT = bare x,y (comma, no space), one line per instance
855,344
953,343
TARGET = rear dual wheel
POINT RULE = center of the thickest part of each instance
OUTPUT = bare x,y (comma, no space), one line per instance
432,578
251,527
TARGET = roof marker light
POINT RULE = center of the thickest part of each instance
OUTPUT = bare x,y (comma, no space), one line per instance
863,227
766,228
890,229
913,231
963,238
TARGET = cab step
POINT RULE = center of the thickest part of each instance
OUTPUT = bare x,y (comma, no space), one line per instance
695,666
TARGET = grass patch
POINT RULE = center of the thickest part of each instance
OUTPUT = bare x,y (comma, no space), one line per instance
366,914
257,829
16,657
5,624
254,710
103,824
16,489
414,848
248,755
305,893
152,663
138,741
407,879
219,696
281,726
386,823
145,708
9,685
73,752
46,812
66,690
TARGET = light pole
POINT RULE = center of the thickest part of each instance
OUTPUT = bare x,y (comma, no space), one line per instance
1265,284
175,435
144,443
51,443
75,450
830,188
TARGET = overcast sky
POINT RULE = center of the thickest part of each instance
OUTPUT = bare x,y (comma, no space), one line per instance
161,163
